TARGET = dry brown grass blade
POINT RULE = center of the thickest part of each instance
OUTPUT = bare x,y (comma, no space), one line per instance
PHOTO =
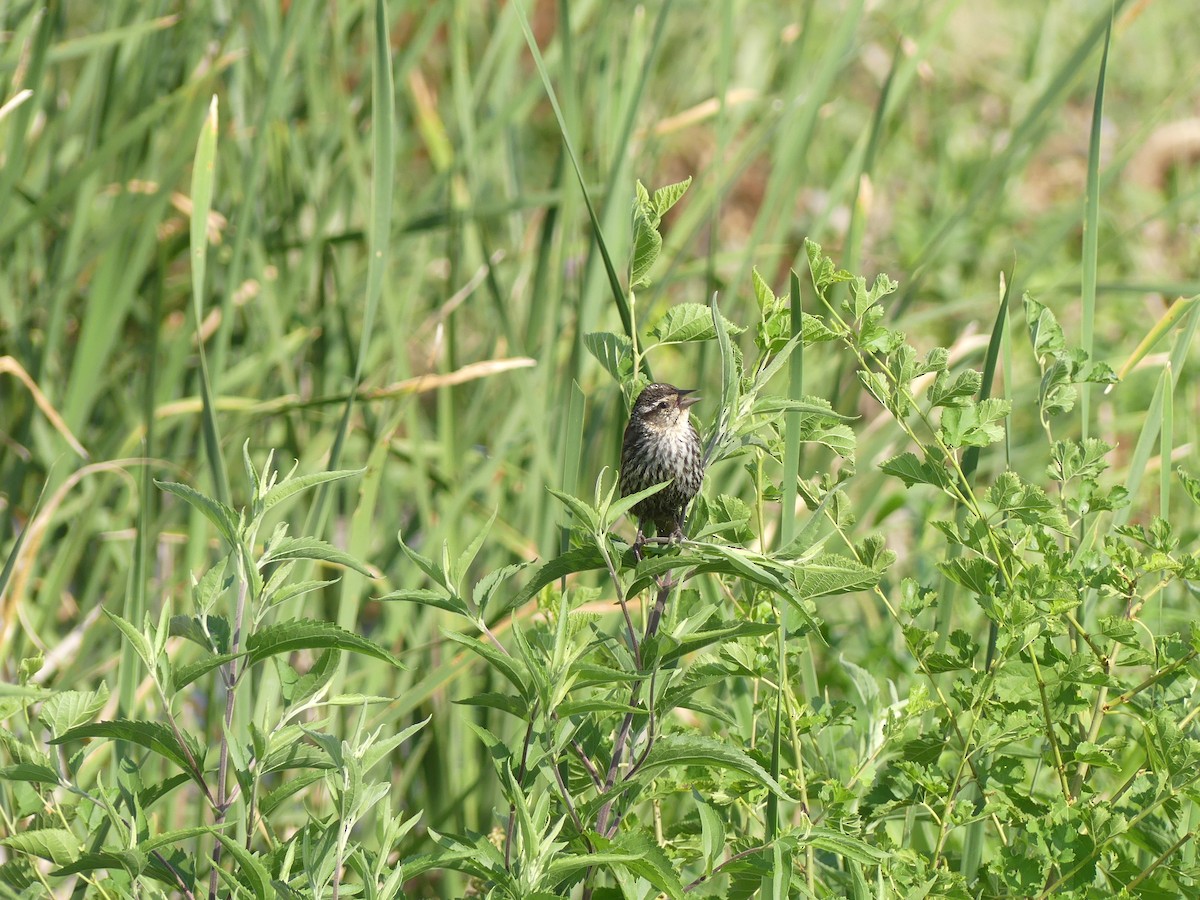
10,366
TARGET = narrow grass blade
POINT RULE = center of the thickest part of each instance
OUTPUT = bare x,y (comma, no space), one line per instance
382,181
203,178
1091,237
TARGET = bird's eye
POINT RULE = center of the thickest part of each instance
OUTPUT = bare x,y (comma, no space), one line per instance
664,404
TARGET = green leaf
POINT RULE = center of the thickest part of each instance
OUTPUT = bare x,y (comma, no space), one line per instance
59,845
909,469
975,574
429,597
628,502
188,755
832,573
312,548
184,675
131,861
613,351
141,643
708,753
463,563
67,709
1044,331
289,487
223,517
951,393
589,519
689,322
311,634
511,668
252,870
27,771
647,245
290,786
668,195
581,559
724,633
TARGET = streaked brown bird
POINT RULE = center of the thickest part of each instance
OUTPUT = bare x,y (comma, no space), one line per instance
661,444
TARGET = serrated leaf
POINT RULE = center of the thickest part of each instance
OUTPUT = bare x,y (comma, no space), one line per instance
59,845
311,634
628,502
297,589
32,772
511,668
184,675
668,195
205,633
911,470
843,845
252,870
699,750
947,392
222,516
289,487
67,709
647,245
141,644
428,597
831,573
689,322
1045,334
313,548
131,861
581,559
724,633
613,351
588,517
290,786
152,736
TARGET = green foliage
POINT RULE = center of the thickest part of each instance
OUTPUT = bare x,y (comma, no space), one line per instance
931,633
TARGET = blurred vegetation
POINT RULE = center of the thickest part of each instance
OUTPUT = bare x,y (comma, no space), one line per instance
941,143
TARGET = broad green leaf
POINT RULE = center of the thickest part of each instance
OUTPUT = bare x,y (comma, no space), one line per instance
59,845
832,573
911,470
668,195
647,245
67,709
311,634
613,351
27,771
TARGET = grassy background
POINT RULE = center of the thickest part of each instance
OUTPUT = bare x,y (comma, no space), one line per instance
938,142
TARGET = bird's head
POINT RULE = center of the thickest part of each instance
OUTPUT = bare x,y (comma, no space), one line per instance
663,407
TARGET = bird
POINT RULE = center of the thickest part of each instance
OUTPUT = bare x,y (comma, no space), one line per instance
661,444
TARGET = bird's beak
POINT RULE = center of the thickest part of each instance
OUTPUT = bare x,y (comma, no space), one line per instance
685,401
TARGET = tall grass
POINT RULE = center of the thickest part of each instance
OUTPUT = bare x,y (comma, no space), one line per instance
408,239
